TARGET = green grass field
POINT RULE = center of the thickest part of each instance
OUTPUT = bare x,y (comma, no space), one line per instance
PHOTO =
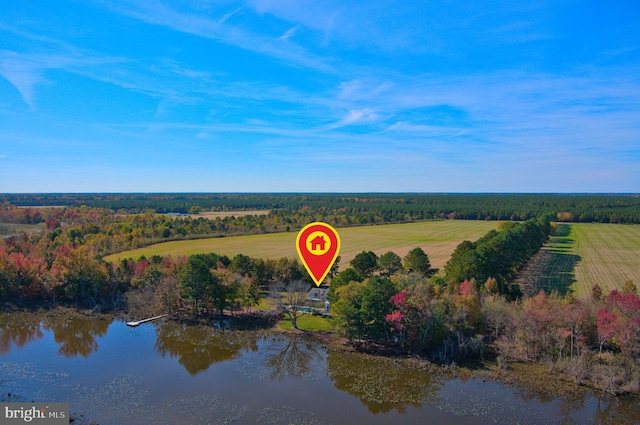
577,257
309,322
265,303
609,255
580,255
437,238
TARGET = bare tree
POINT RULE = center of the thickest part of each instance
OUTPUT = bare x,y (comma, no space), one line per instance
291,297
296,357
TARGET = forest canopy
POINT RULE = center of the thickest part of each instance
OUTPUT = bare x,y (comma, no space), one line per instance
350,208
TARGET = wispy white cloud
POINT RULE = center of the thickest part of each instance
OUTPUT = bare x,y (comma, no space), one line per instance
375,25
390,90
361,115
510,112
216,28
363,90
229,15
289,33
24,75
26,71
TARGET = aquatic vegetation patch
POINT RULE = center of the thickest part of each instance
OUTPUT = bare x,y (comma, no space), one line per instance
117,402
24,382
208,409
486,400
285,415
382,383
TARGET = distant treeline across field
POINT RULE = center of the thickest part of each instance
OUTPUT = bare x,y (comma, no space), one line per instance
351,208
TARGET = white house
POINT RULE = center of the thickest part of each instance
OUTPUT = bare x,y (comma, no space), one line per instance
318,293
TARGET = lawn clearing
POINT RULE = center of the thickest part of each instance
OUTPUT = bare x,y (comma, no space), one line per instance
266,303
437,238
309,322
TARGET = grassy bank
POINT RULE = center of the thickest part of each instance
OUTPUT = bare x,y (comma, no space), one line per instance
309,322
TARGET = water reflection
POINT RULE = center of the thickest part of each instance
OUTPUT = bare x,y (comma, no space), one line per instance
622,410
383,384
198,347
617,410
77,337
292,355
18,330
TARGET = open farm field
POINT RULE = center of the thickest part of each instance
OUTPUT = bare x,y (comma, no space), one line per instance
42,207
212,215
437,238
580,255
609,255
11,229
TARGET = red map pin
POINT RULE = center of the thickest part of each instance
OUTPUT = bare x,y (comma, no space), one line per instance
318,245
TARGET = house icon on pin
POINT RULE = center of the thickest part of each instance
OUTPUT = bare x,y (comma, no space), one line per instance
318,243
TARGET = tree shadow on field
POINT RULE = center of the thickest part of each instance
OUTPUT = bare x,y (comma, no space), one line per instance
559,273
553,268
562,231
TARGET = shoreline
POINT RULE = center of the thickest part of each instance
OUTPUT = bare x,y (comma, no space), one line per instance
531,375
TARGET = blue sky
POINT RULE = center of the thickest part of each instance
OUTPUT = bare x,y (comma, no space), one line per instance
320,96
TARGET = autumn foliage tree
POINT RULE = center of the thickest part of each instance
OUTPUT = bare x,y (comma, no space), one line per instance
79,276
21,277
619,322
412,318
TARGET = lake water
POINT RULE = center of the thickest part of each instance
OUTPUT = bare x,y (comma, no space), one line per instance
170,373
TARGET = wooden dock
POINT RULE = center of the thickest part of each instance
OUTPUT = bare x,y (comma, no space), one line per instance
133,324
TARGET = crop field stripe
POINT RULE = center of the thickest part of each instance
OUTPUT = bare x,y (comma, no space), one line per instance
610,255
437,238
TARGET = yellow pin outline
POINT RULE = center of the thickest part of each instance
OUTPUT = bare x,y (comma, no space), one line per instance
304,261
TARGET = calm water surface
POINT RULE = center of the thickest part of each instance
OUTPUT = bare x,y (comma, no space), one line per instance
169,373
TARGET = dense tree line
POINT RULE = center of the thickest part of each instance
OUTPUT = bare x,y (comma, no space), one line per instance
105,231
495,258
346,209
63,263
76,276
110,229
